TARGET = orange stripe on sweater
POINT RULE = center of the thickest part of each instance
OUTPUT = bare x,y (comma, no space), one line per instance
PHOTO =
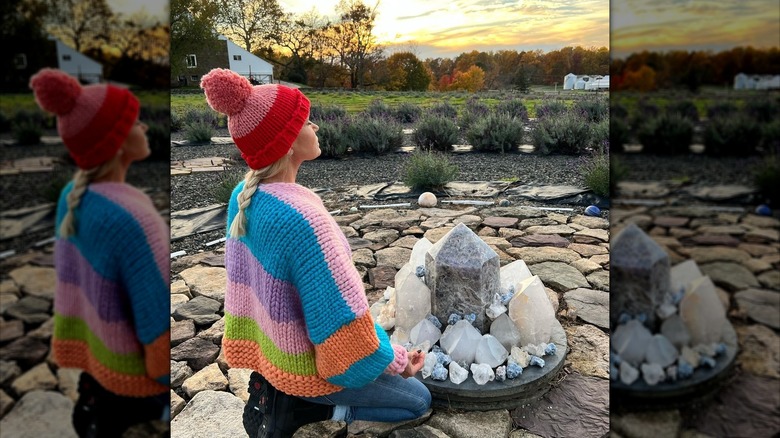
157,356
76,354
347,346
247,354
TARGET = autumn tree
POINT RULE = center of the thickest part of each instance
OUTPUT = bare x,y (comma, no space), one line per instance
642,79
406,73
80,24
299,36
471,80
252,22
192,28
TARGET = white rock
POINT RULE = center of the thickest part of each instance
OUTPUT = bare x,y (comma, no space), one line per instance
460,341
512,274
706,349
665,310
412,302
675,331
418,253
628,374
490,351
671,373
630,341
683,274
535,350
521,357
427,199
386,318
430,362
532,312
691,356
399,336
505,331
482,373
660,351
702,311
424,331
496,308
389,293
652,373
458,374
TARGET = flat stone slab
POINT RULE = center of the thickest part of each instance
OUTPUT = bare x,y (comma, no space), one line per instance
40,414
760,305
210,414
591,305
719,192
559,276
648,189
540,240
545,193
27,165
731,276
494,423
476,189
578,406
531,385
197,220
14,223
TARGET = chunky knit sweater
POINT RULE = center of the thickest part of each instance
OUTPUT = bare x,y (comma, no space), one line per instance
295,307
112,301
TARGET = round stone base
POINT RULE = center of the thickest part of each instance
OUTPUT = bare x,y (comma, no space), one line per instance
530,386
704,383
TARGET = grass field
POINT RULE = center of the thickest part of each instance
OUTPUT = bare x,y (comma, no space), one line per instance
703,99
11,103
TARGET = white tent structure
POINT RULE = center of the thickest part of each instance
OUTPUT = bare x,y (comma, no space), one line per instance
568,81
581,81
744,81
598,83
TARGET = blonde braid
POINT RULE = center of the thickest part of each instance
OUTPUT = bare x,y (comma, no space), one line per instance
81,179
252,179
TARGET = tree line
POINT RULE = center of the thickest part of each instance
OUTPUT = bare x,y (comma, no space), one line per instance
647,71
344,52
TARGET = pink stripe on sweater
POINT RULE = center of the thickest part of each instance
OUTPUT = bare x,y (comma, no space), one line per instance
141,208
290,337
329,238
118,336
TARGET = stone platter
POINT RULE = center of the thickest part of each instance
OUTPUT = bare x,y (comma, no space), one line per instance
703,383
509,394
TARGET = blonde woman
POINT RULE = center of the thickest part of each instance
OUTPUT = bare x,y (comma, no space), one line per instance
295,308
112,304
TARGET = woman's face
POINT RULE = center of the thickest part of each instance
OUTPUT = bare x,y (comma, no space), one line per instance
136,146
307,146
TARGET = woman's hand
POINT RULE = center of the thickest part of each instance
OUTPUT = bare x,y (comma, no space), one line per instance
416,359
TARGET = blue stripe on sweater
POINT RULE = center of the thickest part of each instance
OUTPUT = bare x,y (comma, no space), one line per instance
283,242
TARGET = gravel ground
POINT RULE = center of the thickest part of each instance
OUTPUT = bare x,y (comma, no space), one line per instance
695,168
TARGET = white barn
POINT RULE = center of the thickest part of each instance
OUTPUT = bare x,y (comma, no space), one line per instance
744,81
77,64
246,64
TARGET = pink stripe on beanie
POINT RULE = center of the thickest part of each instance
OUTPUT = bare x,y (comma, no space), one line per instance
264,120
93,121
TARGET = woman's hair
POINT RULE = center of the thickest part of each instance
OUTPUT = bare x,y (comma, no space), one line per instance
80,181
252,179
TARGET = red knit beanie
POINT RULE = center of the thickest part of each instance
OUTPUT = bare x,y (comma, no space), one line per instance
264,120
93,121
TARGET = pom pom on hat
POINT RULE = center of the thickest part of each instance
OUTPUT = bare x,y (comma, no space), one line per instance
226,91
55,91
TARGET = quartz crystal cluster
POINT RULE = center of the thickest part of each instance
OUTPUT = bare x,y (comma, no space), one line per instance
670,321
473,317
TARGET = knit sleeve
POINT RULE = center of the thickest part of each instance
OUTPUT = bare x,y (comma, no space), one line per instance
144,269
351,350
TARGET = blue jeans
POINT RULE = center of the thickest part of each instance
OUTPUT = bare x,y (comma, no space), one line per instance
388,398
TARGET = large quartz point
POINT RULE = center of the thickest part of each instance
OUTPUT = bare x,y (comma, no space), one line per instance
462,272
660,351
512,274
490,351
424,331
639,275
630,341
505,331
532,313
702,312
412,302
460,341
683,274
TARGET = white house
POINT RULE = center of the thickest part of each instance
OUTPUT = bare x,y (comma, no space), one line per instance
744,81
77,64
246,64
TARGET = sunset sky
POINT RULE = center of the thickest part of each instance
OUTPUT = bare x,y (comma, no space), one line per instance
446,28
156,10
715,25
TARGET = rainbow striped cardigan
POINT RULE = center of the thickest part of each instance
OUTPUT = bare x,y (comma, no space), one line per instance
112,301
295,307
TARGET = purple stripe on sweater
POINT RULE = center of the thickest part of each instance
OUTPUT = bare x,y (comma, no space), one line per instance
330,240
290,336
279,297
118,336
142,209
99,291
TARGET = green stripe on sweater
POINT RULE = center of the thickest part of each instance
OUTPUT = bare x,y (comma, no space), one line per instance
70,328
245,328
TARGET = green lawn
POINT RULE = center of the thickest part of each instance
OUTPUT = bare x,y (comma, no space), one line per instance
10,104
702,100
